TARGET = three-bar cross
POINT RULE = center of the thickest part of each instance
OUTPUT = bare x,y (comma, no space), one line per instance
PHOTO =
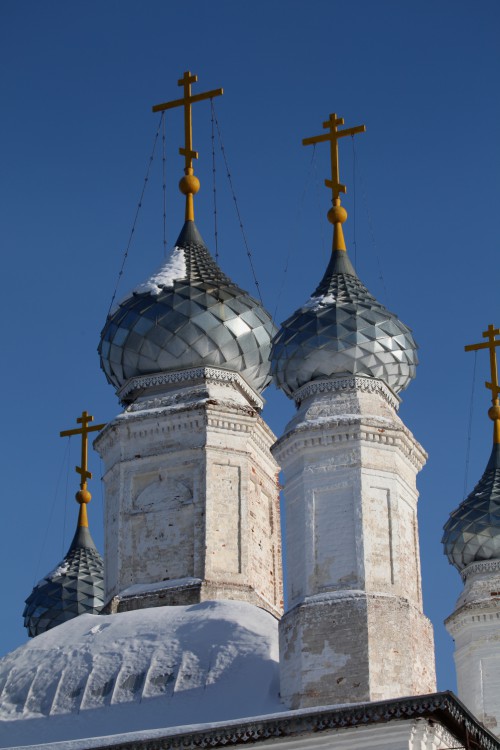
333,136
491,344
189,185
84,430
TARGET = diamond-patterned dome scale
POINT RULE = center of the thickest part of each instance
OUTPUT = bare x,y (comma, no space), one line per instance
189,314
75,587
472,531
342,330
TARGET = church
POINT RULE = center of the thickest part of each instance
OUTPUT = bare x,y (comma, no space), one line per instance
195,629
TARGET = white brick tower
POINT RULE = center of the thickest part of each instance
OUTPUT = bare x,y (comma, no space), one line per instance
354,629
192,506
192,509
475,627
472,543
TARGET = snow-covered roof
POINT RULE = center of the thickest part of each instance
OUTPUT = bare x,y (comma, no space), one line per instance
163,667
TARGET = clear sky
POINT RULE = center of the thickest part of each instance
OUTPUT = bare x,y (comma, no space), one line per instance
77,82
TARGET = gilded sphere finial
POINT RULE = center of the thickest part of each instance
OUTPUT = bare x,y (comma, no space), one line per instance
83,496
189,184
494,412
337,214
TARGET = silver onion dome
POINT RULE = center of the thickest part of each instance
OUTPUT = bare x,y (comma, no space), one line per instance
74,588
472,532
189,314
343,330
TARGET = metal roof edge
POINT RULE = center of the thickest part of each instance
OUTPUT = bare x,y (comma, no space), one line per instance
443,707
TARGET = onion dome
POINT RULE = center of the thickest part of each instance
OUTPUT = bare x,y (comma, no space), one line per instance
472,531
74,588
343,330
188,314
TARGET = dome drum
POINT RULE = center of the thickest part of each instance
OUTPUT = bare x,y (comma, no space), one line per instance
178,386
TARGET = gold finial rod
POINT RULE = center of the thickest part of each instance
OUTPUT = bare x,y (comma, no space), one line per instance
189,184
337,215
492,342
83,496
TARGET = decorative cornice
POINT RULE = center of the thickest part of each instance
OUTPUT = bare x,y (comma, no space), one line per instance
355,429
442,707
480,566
165,416
473,613
353,383
134,386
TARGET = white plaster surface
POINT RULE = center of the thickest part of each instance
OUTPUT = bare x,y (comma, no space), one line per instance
353,561
475,627
191,492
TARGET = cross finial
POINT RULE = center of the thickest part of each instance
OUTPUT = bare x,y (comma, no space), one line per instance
337,214
83,496
189,184
491,343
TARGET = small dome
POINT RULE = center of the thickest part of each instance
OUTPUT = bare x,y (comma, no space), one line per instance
472,532
189,314
75,587
343,330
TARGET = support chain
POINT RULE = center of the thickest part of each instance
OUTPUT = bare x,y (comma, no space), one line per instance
469,431
216,234
164,180
249,254
354,201
372,232
139,205
292,245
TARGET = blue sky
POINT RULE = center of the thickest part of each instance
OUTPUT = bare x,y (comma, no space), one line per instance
77,82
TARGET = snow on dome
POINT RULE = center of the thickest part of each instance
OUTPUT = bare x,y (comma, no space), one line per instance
173,270
188,314
145,669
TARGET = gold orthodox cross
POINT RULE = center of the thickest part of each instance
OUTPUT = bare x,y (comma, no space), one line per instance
83,496
333,136
337,214
492,342
84,430
189,184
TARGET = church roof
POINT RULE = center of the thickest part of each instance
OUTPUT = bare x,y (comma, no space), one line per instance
74,587
188,314
472,531
146,669
343,330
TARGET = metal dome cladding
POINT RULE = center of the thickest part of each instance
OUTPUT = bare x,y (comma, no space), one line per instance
189,314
